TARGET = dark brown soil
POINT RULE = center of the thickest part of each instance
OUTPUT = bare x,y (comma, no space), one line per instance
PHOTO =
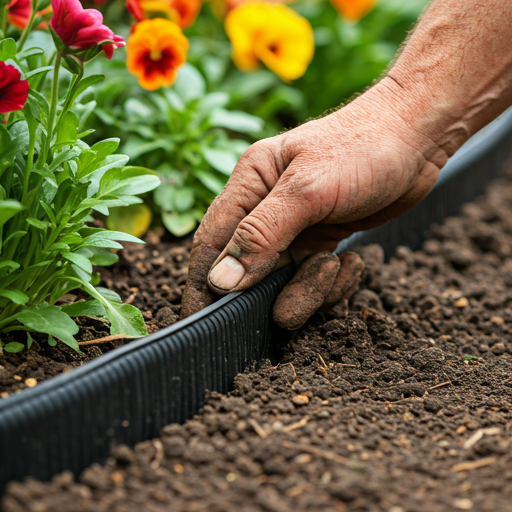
151,277
402,405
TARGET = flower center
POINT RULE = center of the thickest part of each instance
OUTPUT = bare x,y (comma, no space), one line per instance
155,54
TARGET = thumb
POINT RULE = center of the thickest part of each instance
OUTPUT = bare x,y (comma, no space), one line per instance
267,231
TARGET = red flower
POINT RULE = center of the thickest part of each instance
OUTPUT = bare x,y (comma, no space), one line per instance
81,29
13,91
19,13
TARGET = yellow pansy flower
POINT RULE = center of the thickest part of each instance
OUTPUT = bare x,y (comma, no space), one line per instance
273,34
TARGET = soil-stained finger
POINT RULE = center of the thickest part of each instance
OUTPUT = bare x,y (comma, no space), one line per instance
307,291
349,275
197,295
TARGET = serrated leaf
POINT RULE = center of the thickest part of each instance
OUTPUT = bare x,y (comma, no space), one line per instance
50,320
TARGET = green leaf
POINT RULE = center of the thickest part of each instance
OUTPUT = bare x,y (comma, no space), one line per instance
39,224
79,260
29,53
14,347
50,320
221,160
183,199
190,84
102,257
15,296
7,49
68,127
213,100
124,318
29,341
14,236
111,162
210,181
49,212
106,235
8,209
236,120
36,72
52,342
5,140
127,181
468,357
179,224
93,308
85,83
7,265
109,294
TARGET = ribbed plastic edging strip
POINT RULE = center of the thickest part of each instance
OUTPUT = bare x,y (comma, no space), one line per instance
126,396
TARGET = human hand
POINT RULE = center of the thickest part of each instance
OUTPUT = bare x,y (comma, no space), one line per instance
299,193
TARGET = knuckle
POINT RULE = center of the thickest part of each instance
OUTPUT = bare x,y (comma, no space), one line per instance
253,235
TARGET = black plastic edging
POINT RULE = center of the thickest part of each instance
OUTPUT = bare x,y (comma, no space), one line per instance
126,396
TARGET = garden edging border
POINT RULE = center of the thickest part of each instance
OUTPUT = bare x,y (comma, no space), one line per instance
127,395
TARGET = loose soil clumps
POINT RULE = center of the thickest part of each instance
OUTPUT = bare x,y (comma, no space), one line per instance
151,277
401,404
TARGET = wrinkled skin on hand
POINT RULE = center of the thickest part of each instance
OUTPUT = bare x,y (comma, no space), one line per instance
301,192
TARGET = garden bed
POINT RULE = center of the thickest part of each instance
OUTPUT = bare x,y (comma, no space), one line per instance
401,405
151,277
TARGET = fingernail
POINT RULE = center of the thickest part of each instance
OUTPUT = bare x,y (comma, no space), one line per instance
227,273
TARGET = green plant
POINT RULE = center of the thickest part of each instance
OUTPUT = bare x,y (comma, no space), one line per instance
184,133
50,183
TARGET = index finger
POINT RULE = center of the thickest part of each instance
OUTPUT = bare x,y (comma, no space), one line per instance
254,176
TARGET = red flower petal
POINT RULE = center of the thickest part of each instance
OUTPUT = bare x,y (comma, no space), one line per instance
13,91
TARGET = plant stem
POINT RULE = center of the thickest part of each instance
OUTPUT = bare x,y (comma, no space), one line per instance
30,161
27,30
53,108
69,97
3,19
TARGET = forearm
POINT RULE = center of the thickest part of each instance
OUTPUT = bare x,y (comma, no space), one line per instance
455,73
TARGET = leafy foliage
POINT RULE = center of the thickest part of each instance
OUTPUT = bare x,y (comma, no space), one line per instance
51,181
185,134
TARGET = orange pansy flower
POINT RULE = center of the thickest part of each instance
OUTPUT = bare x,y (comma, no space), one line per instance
183,12
156,49
353,10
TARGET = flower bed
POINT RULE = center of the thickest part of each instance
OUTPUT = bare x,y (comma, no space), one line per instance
150,277
402,404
